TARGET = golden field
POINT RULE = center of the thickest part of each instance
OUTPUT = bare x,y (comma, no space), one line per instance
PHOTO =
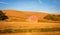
17,20
29,25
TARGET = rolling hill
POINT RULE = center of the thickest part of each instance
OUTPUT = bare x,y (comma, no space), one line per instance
22,15
17,20
15,15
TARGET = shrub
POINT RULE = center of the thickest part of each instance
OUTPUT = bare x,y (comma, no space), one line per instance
52,17
8,31
3,16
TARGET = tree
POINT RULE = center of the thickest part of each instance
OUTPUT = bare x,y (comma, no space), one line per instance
3,16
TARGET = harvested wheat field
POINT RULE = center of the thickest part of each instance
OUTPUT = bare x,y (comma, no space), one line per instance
29,25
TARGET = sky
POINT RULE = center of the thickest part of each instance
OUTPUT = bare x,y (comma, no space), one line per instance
47,6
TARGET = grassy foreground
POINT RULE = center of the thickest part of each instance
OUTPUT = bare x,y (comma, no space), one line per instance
23,27
30,30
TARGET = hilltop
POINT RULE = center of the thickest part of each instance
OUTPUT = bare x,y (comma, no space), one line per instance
14,15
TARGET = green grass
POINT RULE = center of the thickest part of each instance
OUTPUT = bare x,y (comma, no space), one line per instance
30,30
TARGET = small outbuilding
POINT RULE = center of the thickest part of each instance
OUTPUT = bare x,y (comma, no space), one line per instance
32,18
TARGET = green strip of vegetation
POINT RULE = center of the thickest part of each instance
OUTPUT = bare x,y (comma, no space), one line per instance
52,17
30,30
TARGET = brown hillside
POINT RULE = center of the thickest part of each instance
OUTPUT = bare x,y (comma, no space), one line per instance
21,15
